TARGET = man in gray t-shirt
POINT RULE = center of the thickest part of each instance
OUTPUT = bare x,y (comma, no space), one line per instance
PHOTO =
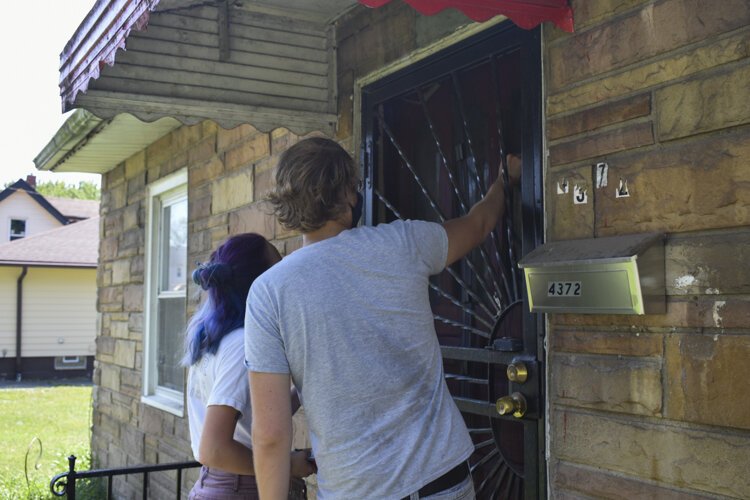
348,318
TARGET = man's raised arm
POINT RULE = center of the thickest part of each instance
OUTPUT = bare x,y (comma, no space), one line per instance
467,232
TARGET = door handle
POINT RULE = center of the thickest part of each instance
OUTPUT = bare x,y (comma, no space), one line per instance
515,405
517,372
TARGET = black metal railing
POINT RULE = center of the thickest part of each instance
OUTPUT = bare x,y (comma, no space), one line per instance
65,483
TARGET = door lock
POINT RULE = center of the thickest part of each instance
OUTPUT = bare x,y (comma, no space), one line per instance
517,372
514,404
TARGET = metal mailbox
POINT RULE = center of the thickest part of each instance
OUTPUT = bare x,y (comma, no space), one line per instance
613,275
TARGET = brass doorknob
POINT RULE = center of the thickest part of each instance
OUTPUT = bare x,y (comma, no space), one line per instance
514,404
517,372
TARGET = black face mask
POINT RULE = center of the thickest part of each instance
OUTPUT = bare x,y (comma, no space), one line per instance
357,210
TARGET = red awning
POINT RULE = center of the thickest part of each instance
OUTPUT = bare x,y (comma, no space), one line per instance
525,13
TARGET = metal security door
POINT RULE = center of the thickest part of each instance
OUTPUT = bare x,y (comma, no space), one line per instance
434,137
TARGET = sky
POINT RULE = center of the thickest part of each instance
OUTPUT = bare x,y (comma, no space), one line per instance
33,35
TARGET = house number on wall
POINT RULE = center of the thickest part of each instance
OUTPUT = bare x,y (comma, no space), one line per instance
563,289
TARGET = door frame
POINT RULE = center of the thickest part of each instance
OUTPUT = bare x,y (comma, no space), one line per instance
387,83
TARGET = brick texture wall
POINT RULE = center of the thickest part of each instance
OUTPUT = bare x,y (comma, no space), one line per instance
228,170
654,406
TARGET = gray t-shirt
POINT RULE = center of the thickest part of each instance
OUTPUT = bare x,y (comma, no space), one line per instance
349,317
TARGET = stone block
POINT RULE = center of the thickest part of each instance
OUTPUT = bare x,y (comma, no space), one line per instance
682,312
137,189
125,353
150,420
130,384
717,101
116,176
599,116
199,242
707,460
137,263
199,207
207,171
600,144
611,383
186,136
108,248
208,128
679,187
202,152
589,13
121,271
136,164
112,224
618,343
132,442
677,66
110,377
109,428
252,149
711,263
577,481
119,329
232,192
157,154
133,298
130,219
282,139
104,275
135,323
252,219
707,379
105,345
118,197
655,29
111,295
218,235
226,139
566,219
264,181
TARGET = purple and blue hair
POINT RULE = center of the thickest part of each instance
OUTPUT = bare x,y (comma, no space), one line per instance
226,278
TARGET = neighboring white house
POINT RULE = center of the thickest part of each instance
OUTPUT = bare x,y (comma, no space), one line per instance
48,317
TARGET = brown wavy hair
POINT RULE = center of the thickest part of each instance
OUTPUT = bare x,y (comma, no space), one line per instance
312,180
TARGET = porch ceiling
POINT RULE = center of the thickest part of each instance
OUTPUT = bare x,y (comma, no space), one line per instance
269,64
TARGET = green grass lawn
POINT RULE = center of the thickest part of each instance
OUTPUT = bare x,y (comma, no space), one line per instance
60,416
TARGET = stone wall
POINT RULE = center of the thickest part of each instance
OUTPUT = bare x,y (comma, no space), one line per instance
228,170
654,406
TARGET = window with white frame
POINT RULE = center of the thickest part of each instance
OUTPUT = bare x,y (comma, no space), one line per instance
17,229
166,284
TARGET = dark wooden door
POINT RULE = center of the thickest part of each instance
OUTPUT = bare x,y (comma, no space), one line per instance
435,136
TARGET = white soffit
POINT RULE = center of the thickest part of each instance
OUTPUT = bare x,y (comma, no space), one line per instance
89,144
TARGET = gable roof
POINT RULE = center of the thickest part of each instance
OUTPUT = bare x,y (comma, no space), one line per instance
22,185
73,245
75,209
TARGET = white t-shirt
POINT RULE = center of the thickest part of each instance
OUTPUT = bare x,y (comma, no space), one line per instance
220,380
349,317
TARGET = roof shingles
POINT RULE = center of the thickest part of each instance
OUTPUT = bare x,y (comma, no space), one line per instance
73,245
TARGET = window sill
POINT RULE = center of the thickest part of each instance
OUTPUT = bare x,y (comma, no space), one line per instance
166,404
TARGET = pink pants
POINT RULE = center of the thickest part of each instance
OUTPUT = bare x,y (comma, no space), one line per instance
214,484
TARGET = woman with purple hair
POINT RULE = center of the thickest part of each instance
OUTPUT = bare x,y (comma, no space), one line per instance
218,393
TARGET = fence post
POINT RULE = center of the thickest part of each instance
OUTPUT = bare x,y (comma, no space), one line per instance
70,487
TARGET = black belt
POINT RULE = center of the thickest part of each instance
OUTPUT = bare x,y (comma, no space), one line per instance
448,480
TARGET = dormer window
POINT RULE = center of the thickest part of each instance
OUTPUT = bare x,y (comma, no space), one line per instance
17,229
